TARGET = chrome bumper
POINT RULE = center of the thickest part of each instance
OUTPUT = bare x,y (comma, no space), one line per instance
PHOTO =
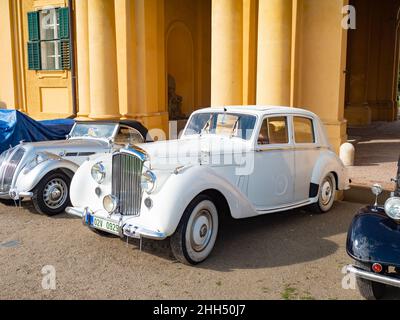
16,195
368,275
128,230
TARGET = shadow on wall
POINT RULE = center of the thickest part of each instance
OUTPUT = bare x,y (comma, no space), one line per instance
3,105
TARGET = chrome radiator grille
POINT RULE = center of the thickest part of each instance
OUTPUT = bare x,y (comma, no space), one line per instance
8,167
126,186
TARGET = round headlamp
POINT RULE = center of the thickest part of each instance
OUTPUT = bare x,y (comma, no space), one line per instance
98,172
148,181
110,203
392,208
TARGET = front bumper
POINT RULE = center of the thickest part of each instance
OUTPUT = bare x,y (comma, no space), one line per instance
127,229
16,195
368,275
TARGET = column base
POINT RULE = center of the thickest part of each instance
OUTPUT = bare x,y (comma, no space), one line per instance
337,133
383,110
156,123
358,115
104,116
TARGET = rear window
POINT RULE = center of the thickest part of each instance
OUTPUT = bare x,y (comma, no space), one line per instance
303,130
274,130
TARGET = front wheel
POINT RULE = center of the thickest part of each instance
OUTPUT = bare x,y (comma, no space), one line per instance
197,231
370,290
51,195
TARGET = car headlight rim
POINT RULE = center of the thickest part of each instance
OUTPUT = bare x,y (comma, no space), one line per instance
392,208
110,203
98,172
148,181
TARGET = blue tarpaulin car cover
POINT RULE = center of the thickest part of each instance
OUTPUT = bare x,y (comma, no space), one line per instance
16,127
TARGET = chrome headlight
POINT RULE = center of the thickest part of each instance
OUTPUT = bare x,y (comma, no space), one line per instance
110,203
392,208
148,181
98,172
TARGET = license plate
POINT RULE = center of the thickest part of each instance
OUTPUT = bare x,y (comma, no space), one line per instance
105,225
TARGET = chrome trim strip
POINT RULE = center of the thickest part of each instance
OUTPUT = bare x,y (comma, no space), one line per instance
373,276
290,148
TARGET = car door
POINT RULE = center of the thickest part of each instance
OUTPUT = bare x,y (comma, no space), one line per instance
271,185
306,154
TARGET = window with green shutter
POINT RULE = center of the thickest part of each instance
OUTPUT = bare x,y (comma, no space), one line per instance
34,62
49,42
33,26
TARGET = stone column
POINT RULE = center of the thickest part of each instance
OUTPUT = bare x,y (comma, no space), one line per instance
103,60
82,44
274,52
227,53
126,56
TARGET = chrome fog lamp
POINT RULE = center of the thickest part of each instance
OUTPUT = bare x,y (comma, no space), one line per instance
392,208
98,172
148,181
110,203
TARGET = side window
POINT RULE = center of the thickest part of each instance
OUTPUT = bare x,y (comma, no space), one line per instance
274,130
303,130
128,136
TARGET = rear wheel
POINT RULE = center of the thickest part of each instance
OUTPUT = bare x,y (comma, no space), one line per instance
370,290
197,231
326,194
51,195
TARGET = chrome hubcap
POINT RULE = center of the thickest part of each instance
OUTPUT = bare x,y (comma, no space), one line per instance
55,193
201,230
326,192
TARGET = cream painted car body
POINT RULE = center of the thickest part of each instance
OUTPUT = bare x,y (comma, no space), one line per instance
283,176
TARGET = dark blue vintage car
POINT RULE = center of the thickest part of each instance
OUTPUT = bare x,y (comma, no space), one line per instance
373,241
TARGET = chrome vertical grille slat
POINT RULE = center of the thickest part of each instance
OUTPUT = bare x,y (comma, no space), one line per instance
8,168
126,176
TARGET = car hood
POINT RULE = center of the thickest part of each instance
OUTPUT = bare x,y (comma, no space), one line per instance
194,150
72,145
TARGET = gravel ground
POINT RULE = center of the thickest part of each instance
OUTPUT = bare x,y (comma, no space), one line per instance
293,255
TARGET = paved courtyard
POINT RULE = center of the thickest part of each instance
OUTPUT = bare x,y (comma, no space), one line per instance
377,152
294,255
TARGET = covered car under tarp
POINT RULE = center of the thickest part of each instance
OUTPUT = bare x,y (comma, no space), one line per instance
15,127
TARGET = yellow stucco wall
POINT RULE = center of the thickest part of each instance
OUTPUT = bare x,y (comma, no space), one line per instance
220,52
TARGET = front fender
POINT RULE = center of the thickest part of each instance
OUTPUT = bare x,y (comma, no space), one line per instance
329,162
374,238
173,197
27,180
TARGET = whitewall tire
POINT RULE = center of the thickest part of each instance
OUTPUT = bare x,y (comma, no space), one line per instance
195,236
326,194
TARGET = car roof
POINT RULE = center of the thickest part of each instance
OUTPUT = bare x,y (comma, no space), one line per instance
259,110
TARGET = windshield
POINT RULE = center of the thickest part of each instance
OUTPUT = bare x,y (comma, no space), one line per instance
232,125
93,130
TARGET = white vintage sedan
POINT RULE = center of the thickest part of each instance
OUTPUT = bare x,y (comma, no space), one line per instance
240,161
42,171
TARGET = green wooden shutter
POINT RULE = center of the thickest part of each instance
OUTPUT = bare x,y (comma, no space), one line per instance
34,59
65,54
63,20
33,26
